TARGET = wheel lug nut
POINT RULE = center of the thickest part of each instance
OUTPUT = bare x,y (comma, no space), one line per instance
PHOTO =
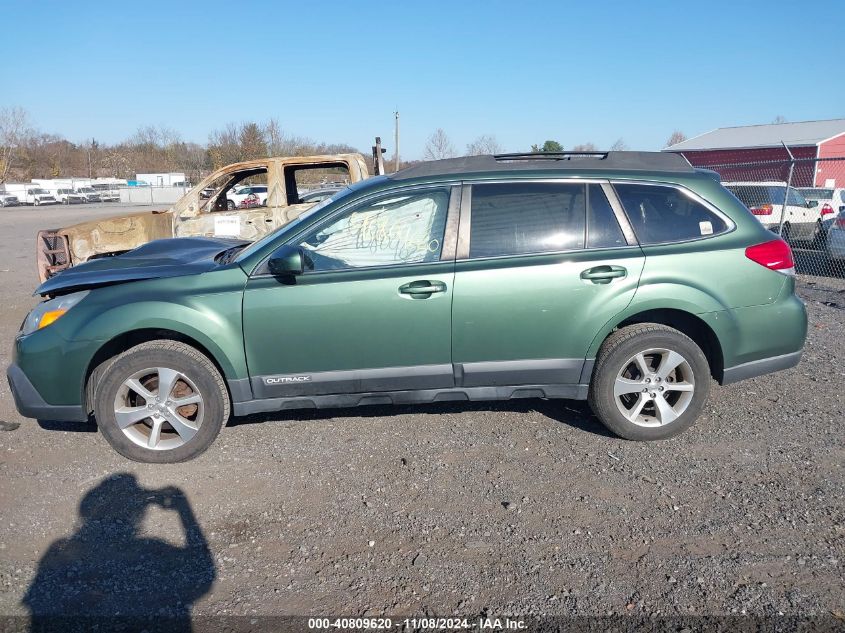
648,380
661,388
652,394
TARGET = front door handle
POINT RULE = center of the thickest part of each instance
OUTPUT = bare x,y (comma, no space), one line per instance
422,288
603,274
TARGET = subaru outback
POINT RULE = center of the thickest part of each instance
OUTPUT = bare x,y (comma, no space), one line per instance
629,279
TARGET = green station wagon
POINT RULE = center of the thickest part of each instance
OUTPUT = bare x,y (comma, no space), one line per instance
626,278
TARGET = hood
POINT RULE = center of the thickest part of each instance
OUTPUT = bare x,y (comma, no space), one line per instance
174,257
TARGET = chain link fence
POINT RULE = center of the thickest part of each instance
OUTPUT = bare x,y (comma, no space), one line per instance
803,201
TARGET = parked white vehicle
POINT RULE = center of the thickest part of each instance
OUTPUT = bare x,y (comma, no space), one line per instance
829,201
89,193
8,200
30,194
801,220
68,196
236,197
107,192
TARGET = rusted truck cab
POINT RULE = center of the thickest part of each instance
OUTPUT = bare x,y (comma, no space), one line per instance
210,209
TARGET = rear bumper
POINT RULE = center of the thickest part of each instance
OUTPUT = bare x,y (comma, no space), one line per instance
760,367
30,404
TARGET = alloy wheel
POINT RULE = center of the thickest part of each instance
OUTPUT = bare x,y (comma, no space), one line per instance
654,387
159,408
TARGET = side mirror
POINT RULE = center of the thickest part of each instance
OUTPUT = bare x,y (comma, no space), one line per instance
811,204
287,260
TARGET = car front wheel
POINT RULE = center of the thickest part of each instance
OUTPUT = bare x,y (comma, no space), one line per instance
650,382
160,402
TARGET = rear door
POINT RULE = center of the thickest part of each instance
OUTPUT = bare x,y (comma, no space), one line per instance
541,267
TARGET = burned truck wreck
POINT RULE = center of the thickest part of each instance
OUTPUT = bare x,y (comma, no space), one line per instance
242,201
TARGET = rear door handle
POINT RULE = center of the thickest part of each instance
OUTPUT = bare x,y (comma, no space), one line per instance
603,274
422,288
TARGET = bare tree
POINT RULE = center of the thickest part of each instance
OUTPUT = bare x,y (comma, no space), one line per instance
439,146
677,137
224,146
14,131
484,144
584,147
619,146
779,119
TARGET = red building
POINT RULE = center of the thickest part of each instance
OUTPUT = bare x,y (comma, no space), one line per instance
753,152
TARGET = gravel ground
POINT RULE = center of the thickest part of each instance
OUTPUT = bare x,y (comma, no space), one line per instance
526,507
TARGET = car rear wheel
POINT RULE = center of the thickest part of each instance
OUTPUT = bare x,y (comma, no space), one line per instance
650,382
160,402
230,205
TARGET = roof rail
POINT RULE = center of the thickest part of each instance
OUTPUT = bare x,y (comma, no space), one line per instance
549,156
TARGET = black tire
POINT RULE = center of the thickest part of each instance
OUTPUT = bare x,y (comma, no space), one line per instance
109,378
819,236
613,357
230,205
786,233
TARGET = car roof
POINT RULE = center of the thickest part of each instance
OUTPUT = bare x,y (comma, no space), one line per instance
553,162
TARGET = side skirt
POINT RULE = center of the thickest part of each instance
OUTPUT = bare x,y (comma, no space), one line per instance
451,394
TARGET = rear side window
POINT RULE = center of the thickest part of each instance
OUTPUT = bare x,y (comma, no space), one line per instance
602,228
520,218
660,214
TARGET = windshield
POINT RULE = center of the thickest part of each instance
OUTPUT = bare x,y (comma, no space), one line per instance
343,193
38,191
86,190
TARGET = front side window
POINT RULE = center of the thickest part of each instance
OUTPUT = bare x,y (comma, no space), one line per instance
531,217
404,228
660,214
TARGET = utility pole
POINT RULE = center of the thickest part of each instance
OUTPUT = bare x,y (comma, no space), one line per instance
396,142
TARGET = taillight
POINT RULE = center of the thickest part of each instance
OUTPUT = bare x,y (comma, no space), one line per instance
774,255
827,209
763,209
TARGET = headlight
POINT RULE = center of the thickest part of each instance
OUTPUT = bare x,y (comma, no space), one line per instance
47,312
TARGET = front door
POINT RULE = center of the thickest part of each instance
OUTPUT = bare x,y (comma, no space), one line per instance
547,266
371,312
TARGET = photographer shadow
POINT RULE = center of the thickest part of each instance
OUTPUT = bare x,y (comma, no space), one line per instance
107,574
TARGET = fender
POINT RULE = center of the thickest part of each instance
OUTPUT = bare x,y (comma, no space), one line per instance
685,298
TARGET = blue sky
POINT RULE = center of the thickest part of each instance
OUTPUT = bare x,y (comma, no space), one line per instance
526,71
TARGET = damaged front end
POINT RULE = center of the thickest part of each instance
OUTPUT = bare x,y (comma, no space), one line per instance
52,254
59,249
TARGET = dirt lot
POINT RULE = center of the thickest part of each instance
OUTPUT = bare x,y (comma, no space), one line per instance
526,507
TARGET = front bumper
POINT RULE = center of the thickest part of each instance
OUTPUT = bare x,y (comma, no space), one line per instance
30,404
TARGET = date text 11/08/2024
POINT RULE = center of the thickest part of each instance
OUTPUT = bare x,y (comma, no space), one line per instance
440,624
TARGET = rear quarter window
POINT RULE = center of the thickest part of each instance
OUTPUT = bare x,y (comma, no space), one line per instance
661,214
